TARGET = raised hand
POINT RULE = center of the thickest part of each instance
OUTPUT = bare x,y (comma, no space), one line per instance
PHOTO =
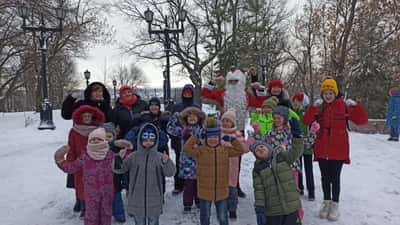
60,153
164,157
318,102
350,102
121,143
122,153
218,79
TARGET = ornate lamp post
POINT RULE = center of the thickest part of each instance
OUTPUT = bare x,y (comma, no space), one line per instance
46,111
114,82
87,77
167,46
263,64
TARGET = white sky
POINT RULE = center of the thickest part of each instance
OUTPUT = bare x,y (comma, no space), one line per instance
102,59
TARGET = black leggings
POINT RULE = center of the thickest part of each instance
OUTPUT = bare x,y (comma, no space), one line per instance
330,175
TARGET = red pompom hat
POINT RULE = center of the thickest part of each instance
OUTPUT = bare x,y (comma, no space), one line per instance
124,88
299,96
275,83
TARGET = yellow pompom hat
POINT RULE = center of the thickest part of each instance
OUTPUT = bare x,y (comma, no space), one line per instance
329,84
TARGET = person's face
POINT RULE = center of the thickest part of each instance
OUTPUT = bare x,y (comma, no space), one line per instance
297,104
109,136
97,94
187,94
266,110
95,140
233,82
148,143
275,91
87,118
226,123
154,108
192,119
328,96
127,94
213,141
262,151
279,120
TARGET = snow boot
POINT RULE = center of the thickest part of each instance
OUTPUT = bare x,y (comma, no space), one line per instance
311,196
82,215
241,194
323,213
176,191
120,218
393,139
333,211
232,215
187,209
77,206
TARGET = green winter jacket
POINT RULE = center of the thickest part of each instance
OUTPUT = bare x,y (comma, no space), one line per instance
266,121
304,131
274,184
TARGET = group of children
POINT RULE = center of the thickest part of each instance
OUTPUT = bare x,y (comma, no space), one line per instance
209,162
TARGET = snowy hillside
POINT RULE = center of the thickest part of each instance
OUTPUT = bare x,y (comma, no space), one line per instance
33,189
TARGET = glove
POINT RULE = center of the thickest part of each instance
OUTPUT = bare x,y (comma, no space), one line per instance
295,128
60,153
228,138
256,127
314,127
318,102
261,217
350,102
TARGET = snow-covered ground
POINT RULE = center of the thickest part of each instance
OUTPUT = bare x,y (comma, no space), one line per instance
33,189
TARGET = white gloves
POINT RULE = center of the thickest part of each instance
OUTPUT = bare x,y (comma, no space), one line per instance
350,102
318,102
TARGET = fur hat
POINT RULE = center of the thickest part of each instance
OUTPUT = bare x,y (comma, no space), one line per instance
275,83
97,115
98,133
329,84
110,128
191,110
282,111
230,115
211,127
124,88
271,102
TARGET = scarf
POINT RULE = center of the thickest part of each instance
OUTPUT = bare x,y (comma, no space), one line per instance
128,103
235,98
229,131
83,130
97,151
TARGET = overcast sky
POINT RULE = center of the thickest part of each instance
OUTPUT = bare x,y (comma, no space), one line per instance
102,59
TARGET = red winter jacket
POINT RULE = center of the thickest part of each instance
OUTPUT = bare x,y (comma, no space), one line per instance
218,95
332,141
78,142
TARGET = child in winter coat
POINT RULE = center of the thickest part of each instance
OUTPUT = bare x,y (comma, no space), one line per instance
276,197
85,120
228,122
298,105
191,119
393,113
213,169
331,147
146,167
95,164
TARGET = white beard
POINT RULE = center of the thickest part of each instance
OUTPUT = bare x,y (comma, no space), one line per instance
235,98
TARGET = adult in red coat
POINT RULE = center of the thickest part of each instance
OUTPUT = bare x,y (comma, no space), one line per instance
85,120
331,147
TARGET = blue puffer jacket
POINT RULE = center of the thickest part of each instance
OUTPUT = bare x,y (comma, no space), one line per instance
393,113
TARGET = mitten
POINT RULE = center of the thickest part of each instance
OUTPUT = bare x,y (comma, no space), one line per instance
318,102
60,153
256,127
350,102
228,138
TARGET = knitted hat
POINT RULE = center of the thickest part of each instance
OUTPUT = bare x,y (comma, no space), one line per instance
110,128
155,101
254,145
299,96
211,127
282,111
124,88
329,84
275,83
230,115
271,102
394,91
98,133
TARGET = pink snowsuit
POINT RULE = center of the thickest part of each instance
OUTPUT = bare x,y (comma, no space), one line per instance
98,186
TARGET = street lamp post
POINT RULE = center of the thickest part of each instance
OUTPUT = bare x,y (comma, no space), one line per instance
263,64
46,110
114,82
166,31
87,77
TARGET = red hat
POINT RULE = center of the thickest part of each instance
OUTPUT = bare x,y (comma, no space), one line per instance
124,88
299,96
187,91
275,83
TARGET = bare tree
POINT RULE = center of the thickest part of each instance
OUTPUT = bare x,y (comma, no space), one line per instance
130,75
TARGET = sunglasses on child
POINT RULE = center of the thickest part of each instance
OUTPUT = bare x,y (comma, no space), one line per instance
148,136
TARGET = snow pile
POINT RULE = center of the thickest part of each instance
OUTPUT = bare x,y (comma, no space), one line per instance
33,189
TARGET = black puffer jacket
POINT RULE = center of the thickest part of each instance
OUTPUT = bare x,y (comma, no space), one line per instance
70,104
125,119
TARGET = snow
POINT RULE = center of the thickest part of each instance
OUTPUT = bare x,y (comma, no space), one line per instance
34,193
